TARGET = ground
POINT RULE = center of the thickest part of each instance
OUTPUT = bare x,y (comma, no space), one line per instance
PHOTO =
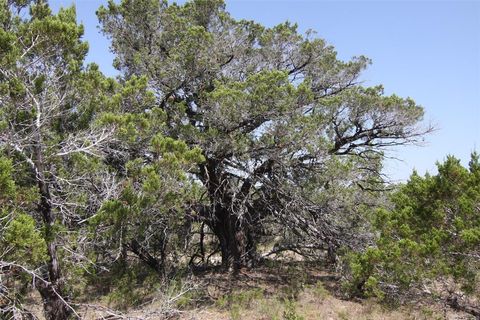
275,291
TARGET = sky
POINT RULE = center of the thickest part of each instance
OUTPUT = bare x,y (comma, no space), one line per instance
427,50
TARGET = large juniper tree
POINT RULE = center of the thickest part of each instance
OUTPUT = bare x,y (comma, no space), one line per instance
274,111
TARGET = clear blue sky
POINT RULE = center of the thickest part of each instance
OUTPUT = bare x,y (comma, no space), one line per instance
427,50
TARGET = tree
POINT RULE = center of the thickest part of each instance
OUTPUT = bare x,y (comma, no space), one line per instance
274,112
86,173
50,148
143,212
428,237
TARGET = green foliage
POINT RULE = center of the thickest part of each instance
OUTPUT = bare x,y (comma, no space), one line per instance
94,148
125,296
189,299
146,213
24,241
320,291
235,302
296,282
290,312
7,184
150,201
242,298
431,233
130,286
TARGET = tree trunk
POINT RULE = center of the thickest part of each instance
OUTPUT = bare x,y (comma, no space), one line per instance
202,237
54,305
235,236
251,248
236,242
221,228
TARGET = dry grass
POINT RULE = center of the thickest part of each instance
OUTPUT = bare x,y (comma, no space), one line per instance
269,293
310,307
312,289
286,291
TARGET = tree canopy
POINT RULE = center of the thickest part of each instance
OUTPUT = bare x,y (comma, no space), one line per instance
273,111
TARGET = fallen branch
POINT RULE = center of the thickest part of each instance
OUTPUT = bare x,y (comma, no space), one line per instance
457,304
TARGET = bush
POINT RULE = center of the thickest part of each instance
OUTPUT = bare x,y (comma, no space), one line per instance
431,234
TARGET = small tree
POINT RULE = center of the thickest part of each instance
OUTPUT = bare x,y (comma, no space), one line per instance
50,149
430,236
76,150
144,214
273,110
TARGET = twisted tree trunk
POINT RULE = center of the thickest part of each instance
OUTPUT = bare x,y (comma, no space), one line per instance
229,216
52,291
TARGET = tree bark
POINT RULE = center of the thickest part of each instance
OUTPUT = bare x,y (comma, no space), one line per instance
221,227
54,305
235,236
236,243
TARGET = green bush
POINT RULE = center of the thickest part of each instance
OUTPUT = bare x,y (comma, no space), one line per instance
431,233
290,311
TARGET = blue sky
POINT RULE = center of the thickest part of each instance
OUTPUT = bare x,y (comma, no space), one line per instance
427,50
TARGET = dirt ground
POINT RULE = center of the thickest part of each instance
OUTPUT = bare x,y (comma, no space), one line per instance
275,292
